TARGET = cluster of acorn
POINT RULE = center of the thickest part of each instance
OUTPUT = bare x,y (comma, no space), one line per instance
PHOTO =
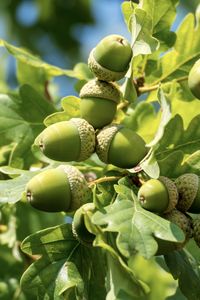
64,188
172,200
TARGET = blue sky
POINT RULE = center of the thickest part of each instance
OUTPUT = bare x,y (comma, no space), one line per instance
109,20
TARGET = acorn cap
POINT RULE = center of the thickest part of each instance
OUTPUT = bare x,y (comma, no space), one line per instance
172,192
196,231
80,192
182,220
104,139
101,89
187,185
195,207
87,137
120,146
103,73
72,140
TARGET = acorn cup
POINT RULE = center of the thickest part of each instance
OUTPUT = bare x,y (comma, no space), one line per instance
72,140
194,79
189,193
196,231
79,228
185,223
99,101
158,195
110,59
120,146
61,189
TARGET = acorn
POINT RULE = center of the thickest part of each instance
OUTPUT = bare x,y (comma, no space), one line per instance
79,228
61,189
99,101
189,193
185,223
120,146
196,231
194,79
72,140
158,195
110,59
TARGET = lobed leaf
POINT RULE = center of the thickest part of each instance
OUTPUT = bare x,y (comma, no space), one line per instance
177,62
135,226
19,126
71,109
179,264
178,151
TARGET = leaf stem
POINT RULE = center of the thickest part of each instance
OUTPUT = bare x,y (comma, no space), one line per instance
105,179
146,89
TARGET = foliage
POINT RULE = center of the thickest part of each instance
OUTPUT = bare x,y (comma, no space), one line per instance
39,251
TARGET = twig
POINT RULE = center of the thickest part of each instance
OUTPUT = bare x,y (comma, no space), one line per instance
146,89
105,179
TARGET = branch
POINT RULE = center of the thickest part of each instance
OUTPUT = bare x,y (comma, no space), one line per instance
105,179
146,89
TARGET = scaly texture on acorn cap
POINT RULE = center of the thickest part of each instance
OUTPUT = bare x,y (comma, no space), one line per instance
80,192
101,89
104,139
102,73
182,220
87,137
172,192
196,231
187,185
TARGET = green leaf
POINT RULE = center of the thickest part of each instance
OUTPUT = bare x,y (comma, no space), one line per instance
19,126
143,119
150,166
36,77
163,14
74,268
71,106
128,90
121,274
180,266
179,148
140,27
81,71
151,274
165,117
178,61
119,281
53,240
135,226
11,190
49,280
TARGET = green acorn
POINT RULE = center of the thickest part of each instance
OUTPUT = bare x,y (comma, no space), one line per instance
79,228
158,195
61,189
189,193
110,59
194,79
99,101
120,146
196,231
72,140
185,223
